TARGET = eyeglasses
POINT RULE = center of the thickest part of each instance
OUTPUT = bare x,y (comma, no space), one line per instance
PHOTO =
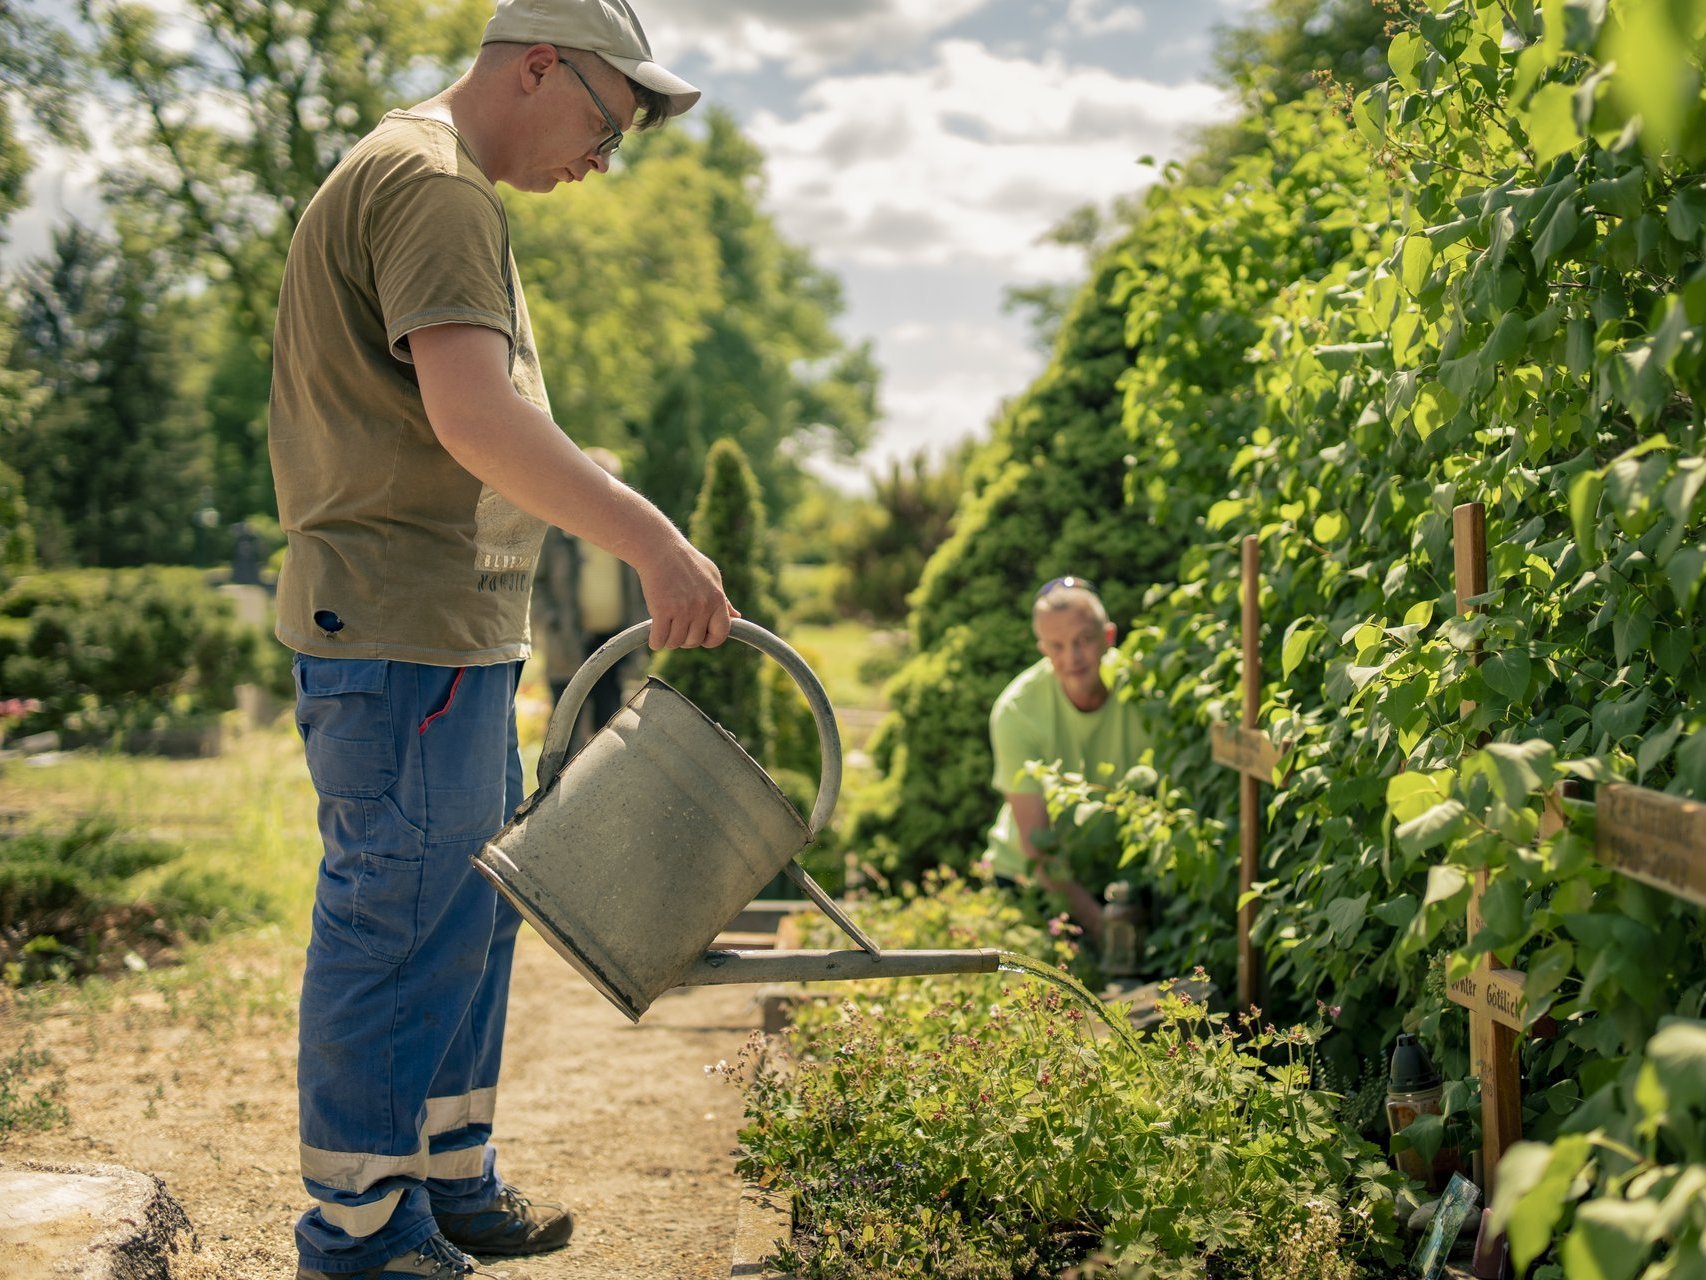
614,138
1067,583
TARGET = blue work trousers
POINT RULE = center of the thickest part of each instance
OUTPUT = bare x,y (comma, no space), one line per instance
407,983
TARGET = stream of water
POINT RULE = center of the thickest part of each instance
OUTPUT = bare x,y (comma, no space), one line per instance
1059,978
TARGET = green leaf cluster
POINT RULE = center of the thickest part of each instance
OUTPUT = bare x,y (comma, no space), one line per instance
934,1130
107,651
1507,321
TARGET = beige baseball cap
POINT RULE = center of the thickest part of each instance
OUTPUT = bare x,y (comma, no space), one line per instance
608,28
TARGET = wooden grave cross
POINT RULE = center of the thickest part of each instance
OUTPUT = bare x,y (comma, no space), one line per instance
1248,750
1492,994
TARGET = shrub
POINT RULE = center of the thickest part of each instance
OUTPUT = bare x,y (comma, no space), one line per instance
882,548
933,1132
69,907
111,651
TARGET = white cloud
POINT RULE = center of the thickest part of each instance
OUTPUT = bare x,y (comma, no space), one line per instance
1102,17
969,160
803,39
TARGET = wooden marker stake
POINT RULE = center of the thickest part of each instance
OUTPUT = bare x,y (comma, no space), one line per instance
1487,992
1249,788
1247,749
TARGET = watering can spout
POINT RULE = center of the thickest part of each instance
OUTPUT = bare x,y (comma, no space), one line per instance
719,967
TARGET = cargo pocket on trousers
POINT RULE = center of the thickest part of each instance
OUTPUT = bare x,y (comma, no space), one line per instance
344,712
388,906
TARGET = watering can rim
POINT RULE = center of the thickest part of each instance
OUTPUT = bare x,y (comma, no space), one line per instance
554,754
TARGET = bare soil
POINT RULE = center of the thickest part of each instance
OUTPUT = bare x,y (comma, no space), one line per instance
618,1121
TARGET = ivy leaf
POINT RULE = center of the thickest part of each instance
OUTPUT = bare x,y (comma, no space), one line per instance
1370,115
1691,763
1684,571
1611,1239
1551,122
1299,637
1656,748
1435,406
1507,674
1638,376
1555,236
1405,52
1345,916
1398,912
1424,1135
1654,79
1330,527
1412,793
1435,826
1624,716
1683,491
1585,490
1678,1053
1546,969
1520,768
1415,256
1534,1186
1502,907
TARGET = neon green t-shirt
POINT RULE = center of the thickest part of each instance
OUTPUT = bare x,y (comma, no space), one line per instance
1034,720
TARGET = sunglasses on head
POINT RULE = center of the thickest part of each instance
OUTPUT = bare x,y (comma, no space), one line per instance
1068,583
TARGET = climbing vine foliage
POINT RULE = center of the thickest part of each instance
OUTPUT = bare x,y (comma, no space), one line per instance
1480,281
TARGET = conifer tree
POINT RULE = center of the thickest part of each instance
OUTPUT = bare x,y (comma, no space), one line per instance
729,526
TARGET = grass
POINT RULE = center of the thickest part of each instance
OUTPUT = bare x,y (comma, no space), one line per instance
842,654
245,815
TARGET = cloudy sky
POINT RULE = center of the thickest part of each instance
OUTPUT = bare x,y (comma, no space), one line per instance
920,149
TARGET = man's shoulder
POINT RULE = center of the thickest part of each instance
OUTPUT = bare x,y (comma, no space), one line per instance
1027,690
405,150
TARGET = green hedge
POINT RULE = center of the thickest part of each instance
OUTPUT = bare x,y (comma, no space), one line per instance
113,651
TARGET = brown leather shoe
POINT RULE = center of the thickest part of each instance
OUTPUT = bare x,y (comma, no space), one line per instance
513,1226
433,1259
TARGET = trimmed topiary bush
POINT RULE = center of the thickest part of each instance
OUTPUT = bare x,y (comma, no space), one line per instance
113,651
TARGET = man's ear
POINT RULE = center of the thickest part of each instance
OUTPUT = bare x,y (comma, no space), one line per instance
1108,634
536,64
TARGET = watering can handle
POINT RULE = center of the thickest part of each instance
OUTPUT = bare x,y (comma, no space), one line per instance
619,646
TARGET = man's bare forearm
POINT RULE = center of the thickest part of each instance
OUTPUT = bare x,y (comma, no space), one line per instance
507,443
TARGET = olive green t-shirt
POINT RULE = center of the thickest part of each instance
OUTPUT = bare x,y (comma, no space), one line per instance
395,551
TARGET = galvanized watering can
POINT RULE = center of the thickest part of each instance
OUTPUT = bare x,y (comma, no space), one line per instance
634,855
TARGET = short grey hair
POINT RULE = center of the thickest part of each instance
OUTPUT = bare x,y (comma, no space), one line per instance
1063,598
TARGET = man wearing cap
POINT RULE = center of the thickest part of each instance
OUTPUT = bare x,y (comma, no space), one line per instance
1062,711
417,467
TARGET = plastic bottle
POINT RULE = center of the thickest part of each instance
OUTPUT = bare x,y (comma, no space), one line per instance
1413,1089
1122,939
